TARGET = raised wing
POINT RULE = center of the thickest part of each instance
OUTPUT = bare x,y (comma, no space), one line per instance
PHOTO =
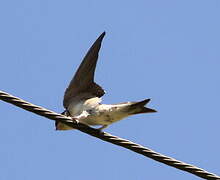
82,85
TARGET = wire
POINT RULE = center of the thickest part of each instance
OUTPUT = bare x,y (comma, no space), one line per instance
107,137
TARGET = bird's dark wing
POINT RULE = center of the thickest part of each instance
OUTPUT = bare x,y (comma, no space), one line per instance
83,85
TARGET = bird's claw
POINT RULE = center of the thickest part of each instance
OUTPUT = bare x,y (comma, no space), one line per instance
75,120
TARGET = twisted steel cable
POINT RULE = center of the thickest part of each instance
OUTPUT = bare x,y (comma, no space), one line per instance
108,137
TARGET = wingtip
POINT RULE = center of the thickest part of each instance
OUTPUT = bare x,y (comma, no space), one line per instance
102,35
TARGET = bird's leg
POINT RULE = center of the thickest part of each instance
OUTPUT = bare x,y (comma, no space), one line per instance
103,127
75,119
66,113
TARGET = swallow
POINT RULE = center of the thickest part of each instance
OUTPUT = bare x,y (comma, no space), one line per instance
82,98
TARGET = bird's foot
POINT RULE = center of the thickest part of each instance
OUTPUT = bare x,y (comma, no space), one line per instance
66,113
75,120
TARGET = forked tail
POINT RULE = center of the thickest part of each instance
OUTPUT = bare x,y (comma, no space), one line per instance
139,107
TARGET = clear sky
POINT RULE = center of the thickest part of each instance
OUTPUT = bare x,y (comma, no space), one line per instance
168,51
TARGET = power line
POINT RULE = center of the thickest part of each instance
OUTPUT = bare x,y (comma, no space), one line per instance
108,137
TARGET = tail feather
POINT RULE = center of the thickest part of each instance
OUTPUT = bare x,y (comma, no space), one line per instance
139,107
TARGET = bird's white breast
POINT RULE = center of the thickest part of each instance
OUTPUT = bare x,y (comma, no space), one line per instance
103,115
76,108
91,112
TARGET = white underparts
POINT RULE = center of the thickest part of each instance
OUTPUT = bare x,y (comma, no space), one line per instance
91,112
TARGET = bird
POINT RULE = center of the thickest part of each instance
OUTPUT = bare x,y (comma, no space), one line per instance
82,98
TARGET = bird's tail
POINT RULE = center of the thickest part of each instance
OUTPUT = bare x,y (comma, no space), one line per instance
139,107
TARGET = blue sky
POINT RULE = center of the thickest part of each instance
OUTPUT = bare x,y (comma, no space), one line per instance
164,50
